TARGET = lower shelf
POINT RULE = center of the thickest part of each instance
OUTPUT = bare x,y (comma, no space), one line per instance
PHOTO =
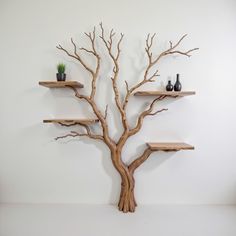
169,146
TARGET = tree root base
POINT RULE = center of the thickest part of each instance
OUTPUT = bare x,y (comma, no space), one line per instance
127,203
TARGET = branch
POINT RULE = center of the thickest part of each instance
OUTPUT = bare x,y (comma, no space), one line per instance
87,134
80,96
94,74
93,51
92,37
76,56
106,110
108,44
99,115
153,62
68,125
145,113
88,51
76,134
137,162
68,135
146,79
171,50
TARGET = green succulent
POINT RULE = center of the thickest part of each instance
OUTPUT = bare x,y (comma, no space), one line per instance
61,68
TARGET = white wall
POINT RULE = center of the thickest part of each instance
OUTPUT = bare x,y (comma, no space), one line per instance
35,168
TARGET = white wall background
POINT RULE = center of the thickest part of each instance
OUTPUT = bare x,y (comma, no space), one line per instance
34,168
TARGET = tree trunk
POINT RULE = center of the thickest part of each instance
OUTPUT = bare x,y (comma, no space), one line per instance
127,201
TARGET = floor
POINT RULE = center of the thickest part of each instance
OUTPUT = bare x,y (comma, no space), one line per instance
102,220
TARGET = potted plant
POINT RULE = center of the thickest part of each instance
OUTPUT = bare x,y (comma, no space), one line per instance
61,76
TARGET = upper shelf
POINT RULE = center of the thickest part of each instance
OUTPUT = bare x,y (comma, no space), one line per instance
71,121
60,84
164,93
167,147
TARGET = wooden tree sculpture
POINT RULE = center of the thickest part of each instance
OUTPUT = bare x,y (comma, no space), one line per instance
127,201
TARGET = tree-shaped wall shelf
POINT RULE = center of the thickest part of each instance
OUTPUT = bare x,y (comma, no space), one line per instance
127,202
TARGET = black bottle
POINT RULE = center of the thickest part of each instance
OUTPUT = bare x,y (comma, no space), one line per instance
169,86
177,86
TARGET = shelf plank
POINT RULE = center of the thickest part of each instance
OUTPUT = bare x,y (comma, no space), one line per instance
169,146
69,122
61,84
165,93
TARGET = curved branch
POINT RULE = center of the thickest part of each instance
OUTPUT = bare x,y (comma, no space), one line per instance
108,44
92,37
68,125
87,50
80,96
76,56
140,160
152,62
77,134
106,111
99,115
94,73
87,134
146,79
145,113
171,50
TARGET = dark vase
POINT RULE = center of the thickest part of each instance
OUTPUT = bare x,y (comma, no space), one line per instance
169,86
61,76
177,86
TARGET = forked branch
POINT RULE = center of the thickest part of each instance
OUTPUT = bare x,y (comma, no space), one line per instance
76,56
153,62
88,133
100,116
115,57
140,160
94,74
92,37
146,113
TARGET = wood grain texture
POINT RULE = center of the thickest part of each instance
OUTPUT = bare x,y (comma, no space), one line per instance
61,84
71,121
165,93
169,146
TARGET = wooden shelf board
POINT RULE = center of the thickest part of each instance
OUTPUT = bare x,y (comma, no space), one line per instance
165,93
169,146
71,121
60,84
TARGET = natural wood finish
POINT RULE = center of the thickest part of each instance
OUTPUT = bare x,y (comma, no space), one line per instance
112,45
169,146
70,122
61,84
165,93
